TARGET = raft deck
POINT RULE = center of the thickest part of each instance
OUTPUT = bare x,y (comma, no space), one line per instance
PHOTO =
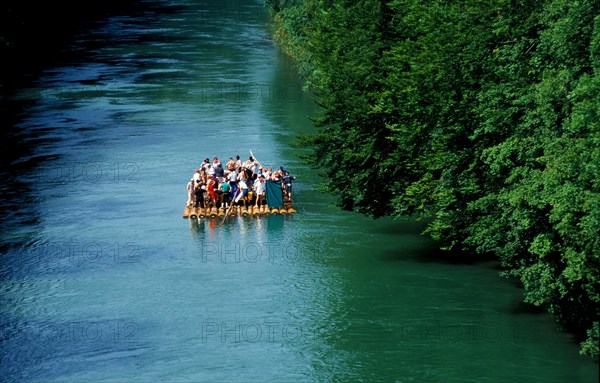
198,212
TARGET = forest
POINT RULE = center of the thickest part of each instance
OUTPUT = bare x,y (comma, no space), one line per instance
480,117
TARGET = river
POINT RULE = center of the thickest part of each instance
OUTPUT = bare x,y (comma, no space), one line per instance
102,280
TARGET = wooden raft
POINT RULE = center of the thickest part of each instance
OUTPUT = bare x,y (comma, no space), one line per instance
198,212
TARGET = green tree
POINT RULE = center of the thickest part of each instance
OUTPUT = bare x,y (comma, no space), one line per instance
482,115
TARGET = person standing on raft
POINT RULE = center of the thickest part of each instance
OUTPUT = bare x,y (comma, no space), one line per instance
225,187
260,186
211,189
243,186
199,194
190,190
287,183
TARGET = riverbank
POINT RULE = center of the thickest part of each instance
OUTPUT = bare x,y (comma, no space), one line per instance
447,112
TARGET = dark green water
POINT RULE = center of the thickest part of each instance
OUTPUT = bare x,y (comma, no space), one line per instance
103,281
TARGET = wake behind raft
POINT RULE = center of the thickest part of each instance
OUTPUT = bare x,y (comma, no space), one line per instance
238,188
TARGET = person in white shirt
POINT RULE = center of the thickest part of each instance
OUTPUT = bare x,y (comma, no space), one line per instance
243,186
255,169
238,164
249,163
231,176
259,189
190,190
206,166
210,171
267,173
196,175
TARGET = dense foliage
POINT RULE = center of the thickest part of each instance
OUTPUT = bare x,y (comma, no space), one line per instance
483,115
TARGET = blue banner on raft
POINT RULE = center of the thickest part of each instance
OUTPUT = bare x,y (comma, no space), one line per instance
274,194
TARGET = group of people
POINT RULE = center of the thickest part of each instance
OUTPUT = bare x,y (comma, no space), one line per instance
216,185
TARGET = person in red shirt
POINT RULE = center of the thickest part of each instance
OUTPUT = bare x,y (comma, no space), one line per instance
211,189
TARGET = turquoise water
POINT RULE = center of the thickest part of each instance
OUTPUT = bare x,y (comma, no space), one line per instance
102,280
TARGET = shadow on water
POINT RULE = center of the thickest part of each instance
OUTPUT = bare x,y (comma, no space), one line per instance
418,247
401,225
37,34
16,160
520,307
455,257
40,46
